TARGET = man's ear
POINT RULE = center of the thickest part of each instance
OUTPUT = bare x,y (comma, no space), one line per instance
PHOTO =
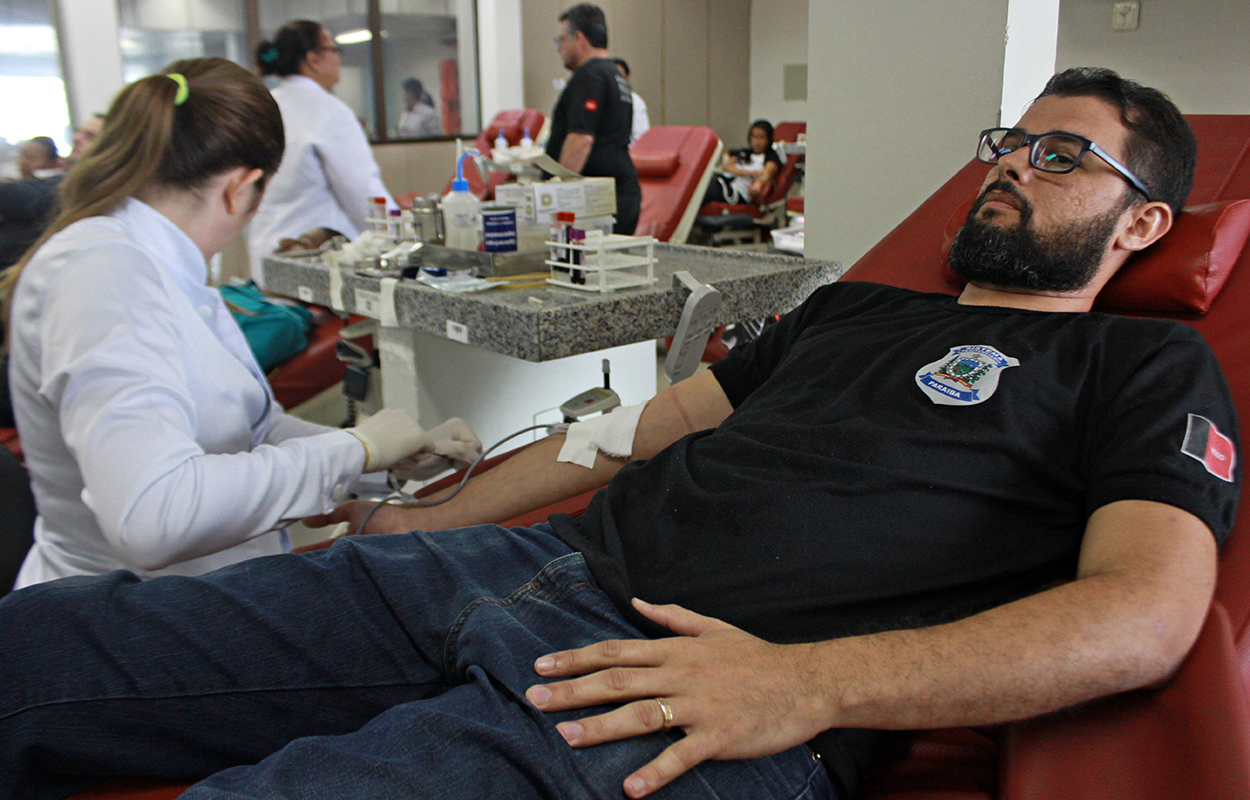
240,190
1147,223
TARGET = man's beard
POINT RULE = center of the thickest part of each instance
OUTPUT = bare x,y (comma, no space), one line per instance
1018,257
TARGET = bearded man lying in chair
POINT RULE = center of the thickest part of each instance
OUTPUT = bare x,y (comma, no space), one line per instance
892,510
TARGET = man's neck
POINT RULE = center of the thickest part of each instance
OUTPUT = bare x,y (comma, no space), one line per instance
591,55
977,295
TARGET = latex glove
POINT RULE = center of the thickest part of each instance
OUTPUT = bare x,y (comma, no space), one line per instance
391,438
451,445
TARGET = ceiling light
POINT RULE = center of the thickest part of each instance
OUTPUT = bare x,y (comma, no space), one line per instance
354,37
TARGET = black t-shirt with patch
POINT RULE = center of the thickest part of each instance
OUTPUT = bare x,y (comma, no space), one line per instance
840,497
597,101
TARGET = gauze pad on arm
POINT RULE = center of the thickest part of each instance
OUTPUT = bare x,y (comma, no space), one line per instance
613,433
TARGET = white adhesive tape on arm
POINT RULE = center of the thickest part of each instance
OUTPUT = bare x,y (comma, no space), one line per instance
612,433
388,316
336,289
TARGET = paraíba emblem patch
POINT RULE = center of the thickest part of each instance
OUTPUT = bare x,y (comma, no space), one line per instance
965,376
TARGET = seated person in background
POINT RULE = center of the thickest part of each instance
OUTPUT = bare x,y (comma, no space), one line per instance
84,138
746,173
892,510
39,158
420,119
28,205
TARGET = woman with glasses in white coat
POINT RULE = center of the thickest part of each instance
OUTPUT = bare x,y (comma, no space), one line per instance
328,178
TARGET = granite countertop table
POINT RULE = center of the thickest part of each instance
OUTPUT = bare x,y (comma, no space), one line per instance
567,322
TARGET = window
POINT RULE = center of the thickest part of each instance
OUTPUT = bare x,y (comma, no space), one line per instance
431,41
155,33
30,80
429,49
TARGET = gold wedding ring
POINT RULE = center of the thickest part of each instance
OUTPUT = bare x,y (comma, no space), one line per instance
667,711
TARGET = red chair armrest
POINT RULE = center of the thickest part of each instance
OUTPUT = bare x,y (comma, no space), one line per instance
1189,739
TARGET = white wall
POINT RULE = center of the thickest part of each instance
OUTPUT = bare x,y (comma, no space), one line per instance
900,89
1197,51
778,38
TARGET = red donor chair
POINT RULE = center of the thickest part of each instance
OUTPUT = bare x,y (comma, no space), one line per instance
1189,738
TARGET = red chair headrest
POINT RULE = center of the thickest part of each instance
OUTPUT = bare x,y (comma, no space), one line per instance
1181,273
655,165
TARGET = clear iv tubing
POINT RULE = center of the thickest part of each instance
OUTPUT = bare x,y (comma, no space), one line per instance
403,497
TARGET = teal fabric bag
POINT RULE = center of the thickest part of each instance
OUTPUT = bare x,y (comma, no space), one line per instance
274,330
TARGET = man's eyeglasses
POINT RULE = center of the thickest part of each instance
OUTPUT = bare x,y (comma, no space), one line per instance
560,39
329,48
1049,152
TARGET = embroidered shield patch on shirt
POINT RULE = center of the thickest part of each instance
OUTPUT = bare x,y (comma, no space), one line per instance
1204,442
966,375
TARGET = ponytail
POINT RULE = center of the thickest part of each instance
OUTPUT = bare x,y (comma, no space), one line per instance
163,131
291,44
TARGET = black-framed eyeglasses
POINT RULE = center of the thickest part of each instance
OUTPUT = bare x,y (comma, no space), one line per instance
1055,151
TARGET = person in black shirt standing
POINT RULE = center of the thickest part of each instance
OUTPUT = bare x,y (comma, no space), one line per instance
592,120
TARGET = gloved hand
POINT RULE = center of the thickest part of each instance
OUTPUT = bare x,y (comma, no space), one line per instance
390,437
452,444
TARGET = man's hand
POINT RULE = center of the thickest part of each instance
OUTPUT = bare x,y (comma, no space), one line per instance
734,695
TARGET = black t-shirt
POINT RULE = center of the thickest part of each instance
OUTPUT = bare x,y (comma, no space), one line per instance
887,466
597,101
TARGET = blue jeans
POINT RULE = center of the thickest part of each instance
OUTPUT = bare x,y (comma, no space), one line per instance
384,667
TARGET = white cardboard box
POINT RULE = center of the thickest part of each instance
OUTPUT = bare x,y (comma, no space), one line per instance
585,197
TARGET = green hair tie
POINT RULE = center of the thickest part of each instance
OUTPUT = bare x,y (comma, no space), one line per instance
184,91
270,55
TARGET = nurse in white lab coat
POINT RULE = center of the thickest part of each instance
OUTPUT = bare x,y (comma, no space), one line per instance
328,177
153,440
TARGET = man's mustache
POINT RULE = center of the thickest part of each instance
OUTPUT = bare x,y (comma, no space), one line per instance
1007,188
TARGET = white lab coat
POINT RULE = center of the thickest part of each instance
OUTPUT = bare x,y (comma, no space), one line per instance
641,123
327,176
153,440
422,120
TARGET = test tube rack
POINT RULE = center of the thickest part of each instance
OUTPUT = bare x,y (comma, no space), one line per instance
608,263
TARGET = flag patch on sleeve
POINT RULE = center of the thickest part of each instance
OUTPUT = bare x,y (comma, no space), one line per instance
1205,443
591,105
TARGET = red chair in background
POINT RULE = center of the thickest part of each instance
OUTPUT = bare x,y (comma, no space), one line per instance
1190,738
513,124
674,163
724,223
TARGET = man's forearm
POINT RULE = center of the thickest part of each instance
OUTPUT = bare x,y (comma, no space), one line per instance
1143,586
528,480
576,150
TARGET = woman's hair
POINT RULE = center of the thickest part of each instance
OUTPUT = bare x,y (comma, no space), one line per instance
157,134
414,87
293,41
766,127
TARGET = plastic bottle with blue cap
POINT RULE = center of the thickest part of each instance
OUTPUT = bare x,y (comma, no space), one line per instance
462,212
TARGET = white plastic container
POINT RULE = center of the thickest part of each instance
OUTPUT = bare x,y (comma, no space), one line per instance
462,213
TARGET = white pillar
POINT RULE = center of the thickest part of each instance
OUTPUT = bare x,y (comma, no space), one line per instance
502,73
91,56
1032,40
